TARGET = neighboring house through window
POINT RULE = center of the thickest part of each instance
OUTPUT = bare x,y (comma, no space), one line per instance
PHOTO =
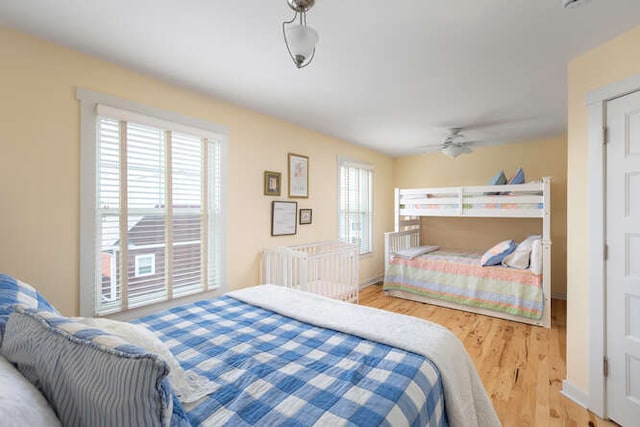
154,180
355,204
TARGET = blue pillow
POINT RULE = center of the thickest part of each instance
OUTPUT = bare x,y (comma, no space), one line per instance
89,376
518,178
14,292
498,179
497,253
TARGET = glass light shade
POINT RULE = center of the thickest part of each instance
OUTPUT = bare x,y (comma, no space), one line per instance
454,151
302,40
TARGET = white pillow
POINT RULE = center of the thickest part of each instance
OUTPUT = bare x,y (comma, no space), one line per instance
411,253
520,257
535,265
188,386
21,404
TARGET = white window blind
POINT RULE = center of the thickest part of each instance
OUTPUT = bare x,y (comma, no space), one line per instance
355,205
158,198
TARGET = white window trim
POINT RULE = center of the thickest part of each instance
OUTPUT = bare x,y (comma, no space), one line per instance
138,260
341,160
89,100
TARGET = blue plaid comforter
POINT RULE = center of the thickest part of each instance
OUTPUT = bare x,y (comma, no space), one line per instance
276,371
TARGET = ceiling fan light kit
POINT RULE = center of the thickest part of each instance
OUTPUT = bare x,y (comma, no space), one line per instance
299,38
452,150
454,144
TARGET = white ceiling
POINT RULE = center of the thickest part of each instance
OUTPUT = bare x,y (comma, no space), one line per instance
389,74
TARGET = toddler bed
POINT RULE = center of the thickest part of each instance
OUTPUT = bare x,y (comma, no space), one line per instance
275,356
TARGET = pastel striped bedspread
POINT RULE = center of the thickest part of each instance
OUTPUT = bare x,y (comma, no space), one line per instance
458,277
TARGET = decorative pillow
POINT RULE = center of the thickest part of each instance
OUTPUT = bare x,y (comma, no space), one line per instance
497,253
518,178
188,386
87,375
521,256
535,265
411,253
498,179
14,292
21,404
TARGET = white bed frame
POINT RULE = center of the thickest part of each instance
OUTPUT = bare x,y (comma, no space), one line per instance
458,202
325,268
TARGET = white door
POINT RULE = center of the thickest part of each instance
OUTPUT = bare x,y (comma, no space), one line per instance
623,264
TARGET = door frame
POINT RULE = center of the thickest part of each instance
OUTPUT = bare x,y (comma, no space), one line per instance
597,104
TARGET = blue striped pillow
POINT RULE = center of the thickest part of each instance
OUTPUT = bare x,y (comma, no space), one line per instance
89,377
497,253
14,292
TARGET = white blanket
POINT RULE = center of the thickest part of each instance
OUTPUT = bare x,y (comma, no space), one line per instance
466,400
411,253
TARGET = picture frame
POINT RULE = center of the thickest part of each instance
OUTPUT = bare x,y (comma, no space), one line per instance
283,218
305,216
298,176
272,183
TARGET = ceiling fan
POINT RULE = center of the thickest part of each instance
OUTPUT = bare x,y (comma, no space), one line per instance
454,144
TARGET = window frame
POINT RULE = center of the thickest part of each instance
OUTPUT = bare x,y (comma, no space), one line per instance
344,161
89,100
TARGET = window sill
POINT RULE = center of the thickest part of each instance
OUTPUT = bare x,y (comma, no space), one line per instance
146,310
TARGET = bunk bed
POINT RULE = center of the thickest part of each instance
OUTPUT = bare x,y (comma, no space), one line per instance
456,279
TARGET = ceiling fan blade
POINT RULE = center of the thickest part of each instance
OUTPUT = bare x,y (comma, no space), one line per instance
479,143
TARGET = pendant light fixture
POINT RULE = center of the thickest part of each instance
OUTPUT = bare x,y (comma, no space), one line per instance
572,4
298,37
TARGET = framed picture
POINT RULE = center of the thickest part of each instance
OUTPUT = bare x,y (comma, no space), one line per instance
283,218
305,216
271,183
298,176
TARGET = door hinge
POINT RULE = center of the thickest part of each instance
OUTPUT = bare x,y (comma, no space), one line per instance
605,367
605,135
605,253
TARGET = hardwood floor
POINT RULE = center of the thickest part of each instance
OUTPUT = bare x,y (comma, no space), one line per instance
521,366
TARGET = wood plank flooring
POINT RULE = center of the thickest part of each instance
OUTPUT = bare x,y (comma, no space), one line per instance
521,366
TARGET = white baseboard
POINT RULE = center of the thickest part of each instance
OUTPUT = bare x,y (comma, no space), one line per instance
371,281
559,296
574,393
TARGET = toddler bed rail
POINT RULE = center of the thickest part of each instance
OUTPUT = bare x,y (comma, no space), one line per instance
326,268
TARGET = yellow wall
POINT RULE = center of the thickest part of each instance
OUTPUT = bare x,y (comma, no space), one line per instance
608,63
537,158
40,167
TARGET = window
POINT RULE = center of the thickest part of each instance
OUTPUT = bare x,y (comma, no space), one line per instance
355,204
145,265
158,186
